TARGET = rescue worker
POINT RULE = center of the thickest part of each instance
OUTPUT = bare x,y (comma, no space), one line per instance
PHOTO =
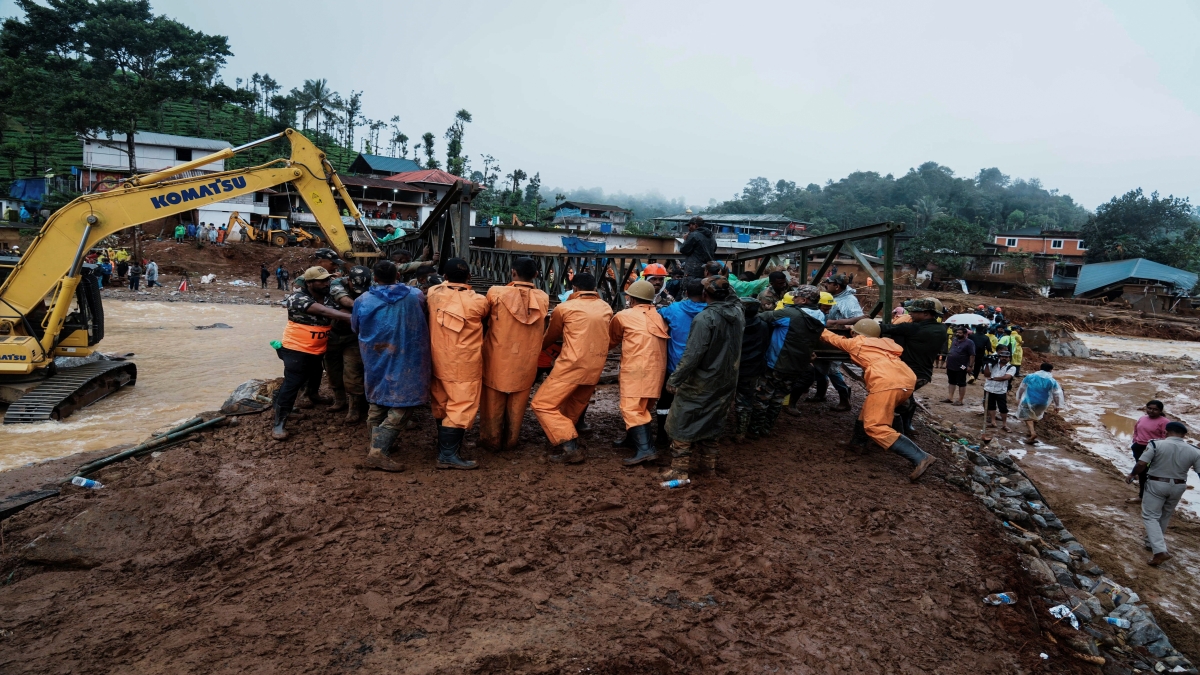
1166,462
343,364
700,246
642,335
393,338
778,286
846,312
889,382
311,312
756,340
582,324
922,340
793,368
656,274
705,380
456,314
516,322
678,316
821,367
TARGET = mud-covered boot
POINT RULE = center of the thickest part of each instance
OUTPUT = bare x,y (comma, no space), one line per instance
843,403
743,424
641,443
571,453
858,441
921,460
278,432
907,411
708,463
758,424
356,409
380,453
339,401
680,465
310,399
449,443
625,441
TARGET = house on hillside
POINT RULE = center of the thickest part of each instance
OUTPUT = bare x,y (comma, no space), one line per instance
741,231
592,217
381,202
379,165
107,161
436,183
1146,285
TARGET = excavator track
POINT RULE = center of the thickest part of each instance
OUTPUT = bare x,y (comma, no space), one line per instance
71,389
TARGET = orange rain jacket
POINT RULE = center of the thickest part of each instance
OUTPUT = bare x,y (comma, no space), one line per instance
514,340
642,334
879,358
456,314
582,323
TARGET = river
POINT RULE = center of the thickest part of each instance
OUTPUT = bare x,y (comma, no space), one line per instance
181,371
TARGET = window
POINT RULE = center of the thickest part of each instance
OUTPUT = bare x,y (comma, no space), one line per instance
997,268
1080,245
1056,243
1010,242
183,154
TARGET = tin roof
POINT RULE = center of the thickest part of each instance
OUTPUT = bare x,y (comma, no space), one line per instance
734,218
593,207
173,141
384,164
368,181
436,176
1099,275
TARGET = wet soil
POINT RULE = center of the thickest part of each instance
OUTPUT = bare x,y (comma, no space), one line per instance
1088,493
237,553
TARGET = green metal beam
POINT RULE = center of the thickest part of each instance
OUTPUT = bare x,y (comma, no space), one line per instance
833,252
863,262
885,288
821,240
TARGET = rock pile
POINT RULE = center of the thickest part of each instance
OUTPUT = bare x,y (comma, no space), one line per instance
1064,574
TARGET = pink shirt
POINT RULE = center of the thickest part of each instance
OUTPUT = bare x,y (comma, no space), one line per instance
1150,429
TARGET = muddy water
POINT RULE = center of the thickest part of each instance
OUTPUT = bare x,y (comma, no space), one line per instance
1104,399
181,371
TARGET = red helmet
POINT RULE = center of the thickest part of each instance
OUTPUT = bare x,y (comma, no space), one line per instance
654,270
981,307
998,309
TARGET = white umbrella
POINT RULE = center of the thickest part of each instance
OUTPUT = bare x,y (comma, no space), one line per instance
967,320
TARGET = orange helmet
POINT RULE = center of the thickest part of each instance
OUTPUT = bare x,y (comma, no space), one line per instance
654,270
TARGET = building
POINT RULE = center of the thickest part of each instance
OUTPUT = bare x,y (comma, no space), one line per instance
551,240
107,161
379,165
1039,241
741,231
436,183
1144,284
381,202
591,217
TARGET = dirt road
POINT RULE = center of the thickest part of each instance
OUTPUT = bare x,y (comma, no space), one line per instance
242,554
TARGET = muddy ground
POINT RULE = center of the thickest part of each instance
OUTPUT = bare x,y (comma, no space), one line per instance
1089,494
241,554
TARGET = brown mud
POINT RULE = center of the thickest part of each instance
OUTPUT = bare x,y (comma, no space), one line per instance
240,554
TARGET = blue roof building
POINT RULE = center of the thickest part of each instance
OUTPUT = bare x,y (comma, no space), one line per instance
1143,283
378,165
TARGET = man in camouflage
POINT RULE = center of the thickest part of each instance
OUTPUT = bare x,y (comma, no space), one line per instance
343,362
793,369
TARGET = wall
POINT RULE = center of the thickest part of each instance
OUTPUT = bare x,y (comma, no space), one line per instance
149,157
1042,245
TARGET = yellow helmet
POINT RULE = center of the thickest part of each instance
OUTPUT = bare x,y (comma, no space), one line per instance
826,299
867,327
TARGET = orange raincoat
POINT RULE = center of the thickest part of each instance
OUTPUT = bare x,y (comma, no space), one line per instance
582,324
889,382
456,314
643,335
516,323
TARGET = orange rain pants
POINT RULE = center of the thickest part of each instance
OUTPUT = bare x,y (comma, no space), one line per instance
500,416
455,403
876,415
637,411
558,405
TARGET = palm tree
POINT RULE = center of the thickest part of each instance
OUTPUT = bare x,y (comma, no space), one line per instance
315,98
928,210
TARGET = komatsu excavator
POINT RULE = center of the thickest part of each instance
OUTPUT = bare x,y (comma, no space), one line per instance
49,300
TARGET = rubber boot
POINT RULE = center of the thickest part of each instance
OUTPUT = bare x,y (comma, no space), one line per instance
906,414
859,439
843,403
449,442
339,401
743,424
379,456
625,441
641,442
708,463
356,409
278,432
571,454
582,427
310,399
921,460
679,468
758,424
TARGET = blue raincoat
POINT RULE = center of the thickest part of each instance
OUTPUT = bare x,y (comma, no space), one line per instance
393,338
678,316
779,331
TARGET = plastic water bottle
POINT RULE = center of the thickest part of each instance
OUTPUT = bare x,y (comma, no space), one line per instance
1001,599
276,344
676,483
1119,623
86,483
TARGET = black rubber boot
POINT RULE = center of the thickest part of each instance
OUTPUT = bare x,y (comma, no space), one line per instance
379,456
907,412
859,439
449,442
906,448
641,443
625,441
339,401
356,409
571,454
278,432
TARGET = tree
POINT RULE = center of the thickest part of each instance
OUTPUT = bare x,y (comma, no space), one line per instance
947,244
516,177
110,64
313,99
427,145
455,162
927,210
353,110
1165,230
1015,219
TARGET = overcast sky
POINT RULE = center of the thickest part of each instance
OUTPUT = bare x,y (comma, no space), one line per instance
693,98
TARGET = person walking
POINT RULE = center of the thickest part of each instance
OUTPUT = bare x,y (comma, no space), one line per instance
889,383
642,335
310,312
791,367
393,342
284,277
678,317
456,315
1149,427
959,361
705,380
582,324
180,233
280,274
1038,390
997,379
135,277
516,323
152,275
700,246
343,362
264,274
1165,462
106,270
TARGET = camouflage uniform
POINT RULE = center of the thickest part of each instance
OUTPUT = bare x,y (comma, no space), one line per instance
343,362
301,370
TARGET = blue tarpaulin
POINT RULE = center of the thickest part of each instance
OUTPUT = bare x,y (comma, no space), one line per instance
28,190
578,246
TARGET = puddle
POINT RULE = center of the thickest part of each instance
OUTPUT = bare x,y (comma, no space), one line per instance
1064,462
1117,424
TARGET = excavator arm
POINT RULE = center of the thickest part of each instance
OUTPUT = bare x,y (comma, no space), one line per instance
43,284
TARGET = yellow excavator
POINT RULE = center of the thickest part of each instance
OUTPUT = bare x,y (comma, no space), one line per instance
276,231
49,300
